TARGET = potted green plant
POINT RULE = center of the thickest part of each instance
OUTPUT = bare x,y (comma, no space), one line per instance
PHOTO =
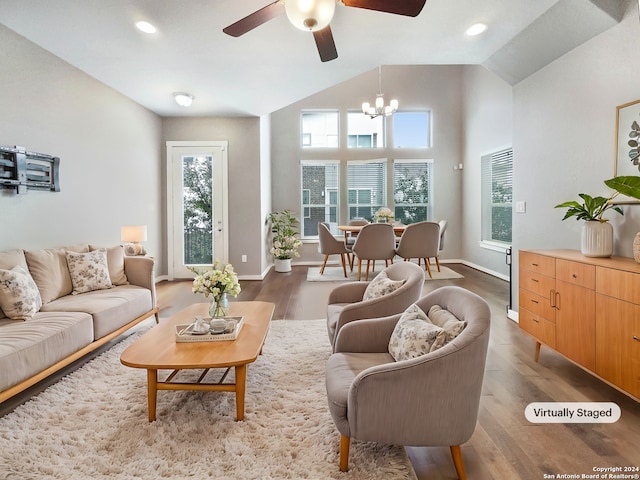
597,233
285,242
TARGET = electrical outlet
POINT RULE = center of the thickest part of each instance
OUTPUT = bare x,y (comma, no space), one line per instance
521,207
244,258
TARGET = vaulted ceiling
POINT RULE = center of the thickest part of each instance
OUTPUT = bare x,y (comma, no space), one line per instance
276,64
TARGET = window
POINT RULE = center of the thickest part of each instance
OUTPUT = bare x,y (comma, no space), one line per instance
364,132
319,180
412,187
412,129
497,173
366,188
320,129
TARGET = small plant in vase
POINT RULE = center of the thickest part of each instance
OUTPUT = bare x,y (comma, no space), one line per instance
285,242
216,282
384,215
597,233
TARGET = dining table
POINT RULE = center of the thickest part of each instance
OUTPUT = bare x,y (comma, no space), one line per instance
355,229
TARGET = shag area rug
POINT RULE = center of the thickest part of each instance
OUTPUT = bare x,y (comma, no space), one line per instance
336,274
93,423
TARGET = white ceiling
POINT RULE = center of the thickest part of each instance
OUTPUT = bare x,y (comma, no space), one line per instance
275,64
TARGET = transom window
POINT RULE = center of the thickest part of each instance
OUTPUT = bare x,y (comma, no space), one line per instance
412,129
364,132
320,129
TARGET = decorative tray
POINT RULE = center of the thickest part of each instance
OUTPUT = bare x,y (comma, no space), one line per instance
184,335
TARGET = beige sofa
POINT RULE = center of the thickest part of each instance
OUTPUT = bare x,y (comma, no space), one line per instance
80,306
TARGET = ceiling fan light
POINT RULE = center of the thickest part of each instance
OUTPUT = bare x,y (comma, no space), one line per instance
310,15
379,101
365,107
183,99
394,104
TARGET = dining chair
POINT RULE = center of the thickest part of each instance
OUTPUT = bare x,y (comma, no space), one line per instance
350,237
443,227
376,241
330,245
420,240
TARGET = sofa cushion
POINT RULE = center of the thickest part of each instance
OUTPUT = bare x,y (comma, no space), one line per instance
27,348
380,286
89,271
115,261
447,321
10,259
50,271
414,335
19,295
110,309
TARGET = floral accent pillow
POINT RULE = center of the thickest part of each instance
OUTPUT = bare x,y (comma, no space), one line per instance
380,286
414,335
447,321
89,271
19,296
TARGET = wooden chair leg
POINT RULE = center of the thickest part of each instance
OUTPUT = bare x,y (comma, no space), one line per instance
426,262
344,264
368,265
438,263
344,453
456,454
359,268
326,257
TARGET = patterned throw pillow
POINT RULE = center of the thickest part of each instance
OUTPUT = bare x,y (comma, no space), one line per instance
19,296
381,285
89,271
414,335
447,321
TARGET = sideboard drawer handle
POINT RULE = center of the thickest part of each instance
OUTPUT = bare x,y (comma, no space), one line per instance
635,337
534,265
535,280
534,301
537,321
574,275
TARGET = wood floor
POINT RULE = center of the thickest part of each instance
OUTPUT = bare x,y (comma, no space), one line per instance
505,445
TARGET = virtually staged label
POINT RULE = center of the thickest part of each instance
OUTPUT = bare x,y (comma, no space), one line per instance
572,412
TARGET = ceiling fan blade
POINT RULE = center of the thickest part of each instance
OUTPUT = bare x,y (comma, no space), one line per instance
254,20
410,8
326,45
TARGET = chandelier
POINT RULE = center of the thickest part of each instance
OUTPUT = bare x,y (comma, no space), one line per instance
379,108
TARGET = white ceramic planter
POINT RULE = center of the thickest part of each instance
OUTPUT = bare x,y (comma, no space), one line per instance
283,265
597,239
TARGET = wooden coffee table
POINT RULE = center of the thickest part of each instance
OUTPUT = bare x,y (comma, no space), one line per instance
158,350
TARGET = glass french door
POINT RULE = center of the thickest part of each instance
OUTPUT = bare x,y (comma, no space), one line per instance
196,205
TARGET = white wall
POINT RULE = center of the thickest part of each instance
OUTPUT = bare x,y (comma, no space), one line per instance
564,135
109,148
437,88
487,127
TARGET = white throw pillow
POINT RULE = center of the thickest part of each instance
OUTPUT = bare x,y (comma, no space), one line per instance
89,271
414,335
380,286
19,296
447,321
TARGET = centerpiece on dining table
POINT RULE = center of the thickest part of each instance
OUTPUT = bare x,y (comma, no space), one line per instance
216,282
384,215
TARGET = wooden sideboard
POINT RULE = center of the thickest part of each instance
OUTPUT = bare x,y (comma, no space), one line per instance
587,309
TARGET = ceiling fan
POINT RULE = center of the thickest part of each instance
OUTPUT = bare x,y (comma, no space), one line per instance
315,16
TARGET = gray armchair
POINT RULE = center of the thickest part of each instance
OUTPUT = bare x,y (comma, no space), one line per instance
346,305
431,400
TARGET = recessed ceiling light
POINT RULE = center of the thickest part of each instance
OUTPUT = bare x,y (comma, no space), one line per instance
146,27
183,99
476,29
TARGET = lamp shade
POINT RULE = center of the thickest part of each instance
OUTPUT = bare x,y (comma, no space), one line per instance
133,233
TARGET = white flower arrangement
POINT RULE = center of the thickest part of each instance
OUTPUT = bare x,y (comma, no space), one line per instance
385,214
285,247
216,281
